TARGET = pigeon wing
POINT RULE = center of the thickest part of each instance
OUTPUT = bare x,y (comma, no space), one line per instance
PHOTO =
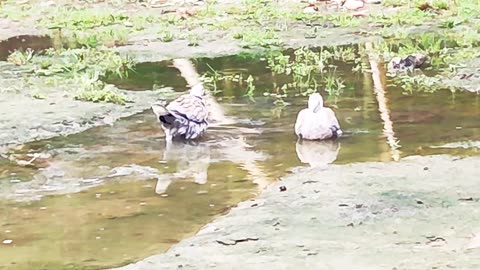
189,107
300,122
332,119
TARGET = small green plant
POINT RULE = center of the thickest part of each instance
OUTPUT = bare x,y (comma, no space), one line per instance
166,36
223,24
345,20
404,17
21,58
251,39
72,18
360,66
107,94
76,61
334,85
90,88
211,78
451,23
419,83
92,38
441,4
193,40
467,37
250,86
84,69
304,66
346,54
279,63
393,3
395,33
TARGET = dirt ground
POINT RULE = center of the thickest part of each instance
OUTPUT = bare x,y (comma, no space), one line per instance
419,213
25,119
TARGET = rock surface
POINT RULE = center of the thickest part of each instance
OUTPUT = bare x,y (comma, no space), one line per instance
418,213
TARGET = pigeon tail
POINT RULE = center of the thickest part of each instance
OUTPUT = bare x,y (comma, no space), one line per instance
159,109
336,132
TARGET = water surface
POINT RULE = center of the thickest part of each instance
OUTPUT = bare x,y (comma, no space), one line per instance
114,194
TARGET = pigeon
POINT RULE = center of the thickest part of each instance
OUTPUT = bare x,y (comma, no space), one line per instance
408,63
184,117
317,122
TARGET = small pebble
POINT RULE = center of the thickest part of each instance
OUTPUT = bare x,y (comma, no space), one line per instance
164,195
43,208
7,241
283,188
202,192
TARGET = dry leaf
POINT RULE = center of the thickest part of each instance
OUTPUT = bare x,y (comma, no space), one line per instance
425,7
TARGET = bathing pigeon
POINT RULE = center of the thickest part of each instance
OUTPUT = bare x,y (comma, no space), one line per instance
184,117
317,122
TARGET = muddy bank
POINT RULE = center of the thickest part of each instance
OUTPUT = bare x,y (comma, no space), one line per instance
10,28
143,49
418,213
217,43
26,117
467,76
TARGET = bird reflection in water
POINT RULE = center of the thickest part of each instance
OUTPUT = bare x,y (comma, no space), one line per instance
192,160
317,153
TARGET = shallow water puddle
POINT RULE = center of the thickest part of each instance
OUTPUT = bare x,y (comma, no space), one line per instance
36,43
114,194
